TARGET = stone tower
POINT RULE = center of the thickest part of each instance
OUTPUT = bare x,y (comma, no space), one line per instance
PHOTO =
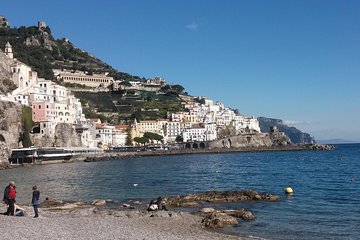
8,50
41,25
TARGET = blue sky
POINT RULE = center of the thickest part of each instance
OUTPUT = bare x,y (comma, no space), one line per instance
298,61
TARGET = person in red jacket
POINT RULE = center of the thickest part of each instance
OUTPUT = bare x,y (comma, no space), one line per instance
11,199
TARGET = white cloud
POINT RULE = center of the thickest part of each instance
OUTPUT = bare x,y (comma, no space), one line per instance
193,26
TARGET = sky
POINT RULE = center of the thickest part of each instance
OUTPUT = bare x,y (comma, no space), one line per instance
298,61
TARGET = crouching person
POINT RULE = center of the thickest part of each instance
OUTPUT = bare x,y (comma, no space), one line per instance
157,204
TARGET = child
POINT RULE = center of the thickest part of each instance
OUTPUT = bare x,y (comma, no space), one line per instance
36,200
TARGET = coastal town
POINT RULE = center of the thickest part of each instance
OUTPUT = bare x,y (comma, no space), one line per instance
53,104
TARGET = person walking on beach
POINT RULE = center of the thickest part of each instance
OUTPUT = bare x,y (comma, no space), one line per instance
35,200
9,198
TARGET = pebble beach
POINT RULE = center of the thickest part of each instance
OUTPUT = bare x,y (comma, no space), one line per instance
92,223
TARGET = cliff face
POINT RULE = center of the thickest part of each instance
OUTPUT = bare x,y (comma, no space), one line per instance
6,84
10,128
65,136
252,140
295,135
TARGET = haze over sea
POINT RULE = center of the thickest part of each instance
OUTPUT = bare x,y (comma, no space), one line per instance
326,184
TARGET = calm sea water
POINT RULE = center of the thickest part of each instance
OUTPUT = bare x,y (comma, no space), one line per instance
326,203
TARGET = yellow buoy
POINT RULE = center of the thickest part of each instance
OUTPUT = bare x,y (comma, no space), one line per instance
288,190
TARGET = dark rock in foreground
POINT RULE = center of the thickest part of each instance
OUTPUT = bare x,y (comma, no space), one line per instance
193,200
217,219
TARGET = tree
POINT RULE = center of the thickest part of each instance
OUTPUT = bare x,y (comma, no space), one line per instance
141,140
26,122
128,137
153,136
165,88
179,139
177,88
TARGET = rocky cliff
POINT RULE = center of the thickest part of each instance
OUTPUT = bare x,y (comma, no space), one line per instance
296,136
6,84
10,127
65,136
270,139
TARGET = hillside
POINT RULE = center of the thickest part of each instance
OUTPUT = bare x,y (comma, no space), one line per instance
117,107
295,135
36,47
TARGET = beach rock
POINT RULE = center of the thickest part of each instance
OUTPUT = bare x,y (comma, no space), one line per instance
238,213
98,202
67,206
219,220
50,203
218,196
248,216
207,210
125,205
322,147
189,204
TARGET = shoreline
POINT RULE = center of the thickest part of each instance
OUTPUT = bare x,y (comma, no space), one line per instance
122,155
91,222
115,155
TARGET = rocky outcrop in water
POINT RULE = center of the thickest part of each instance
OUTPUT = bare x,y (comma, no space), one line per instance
218,219
322,147
192,200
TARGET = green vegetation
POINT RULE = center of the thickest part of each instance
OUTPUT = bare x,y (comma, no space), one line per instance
26,124
149,137
128,105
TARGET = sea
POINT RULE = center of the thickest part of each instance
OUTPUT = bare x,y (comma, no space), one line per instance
326,184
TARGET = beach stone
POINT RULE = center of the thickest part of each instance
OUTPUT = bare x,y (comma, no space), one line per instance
49,203
98,202
207,210
67,206
219,220
248,216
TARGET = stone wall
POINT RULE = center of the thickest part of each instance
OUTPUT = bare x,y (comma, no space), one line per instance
10,128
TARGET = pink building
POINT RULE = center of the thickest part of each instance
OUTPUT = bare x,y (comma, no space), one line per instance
42,111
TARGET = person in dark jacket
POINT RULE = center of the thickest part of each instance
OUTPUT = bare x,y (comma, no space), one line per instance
35,200
6,195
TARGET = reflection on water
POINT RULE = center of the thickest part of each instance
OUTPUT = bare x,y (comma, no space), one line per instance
325,204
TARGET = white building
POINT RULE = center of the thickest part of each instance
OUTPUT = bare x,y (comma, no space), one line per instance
200,133
104,135
172,129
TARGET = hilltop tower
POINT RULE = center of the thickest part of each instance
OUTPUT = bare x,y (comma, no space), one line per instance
8,50
41,25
